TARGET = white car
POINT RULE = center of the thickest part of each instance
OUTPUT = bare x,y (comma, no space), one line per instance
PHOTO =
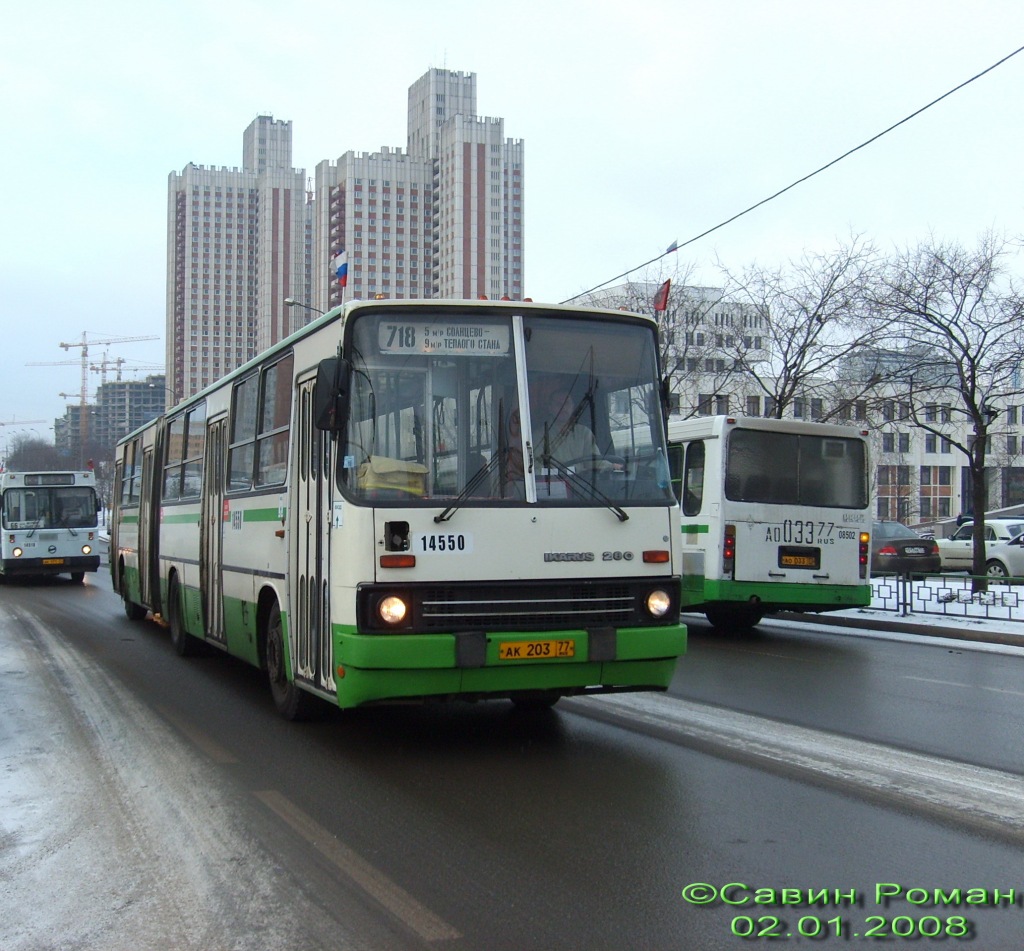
956,553
1005,559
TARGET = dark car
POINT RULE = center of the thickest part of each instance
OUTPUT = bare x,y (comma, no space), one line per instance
896,549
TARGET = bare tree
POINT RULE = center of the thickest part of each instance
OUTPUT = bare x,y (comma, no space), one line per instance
955,318
691,353
28,453
808,316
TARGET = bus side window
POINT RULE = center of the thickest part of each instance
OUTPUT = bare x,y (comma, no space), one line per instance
693,478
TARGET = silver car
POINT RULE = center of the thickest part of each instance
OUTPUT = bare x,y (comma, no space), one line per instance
956,553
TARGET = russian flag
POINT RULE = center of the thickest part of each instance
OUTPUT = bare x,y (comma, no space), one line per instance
340,265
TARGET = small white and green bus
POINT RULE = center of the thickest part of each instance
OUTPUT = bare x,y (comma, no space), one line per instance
775,516
379,508
50,524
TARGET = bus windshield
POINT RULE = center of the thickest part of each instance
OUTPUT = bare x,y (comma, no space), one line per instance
49,507
493,406
795,469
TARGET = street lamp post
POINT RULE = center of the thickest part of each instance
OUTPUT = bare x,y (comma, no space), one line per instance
174,396
292,302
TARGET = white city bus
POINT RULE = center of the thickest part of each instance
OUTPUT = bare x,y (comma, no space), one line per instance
775,516
375,510
50,524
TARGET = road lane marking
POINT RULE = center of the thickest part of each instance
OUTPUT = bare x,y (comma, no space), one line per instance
972,794
210,747
370,879
953,683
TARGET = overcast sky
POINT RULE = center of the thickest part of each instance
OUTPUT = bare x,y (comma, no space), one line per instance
644,123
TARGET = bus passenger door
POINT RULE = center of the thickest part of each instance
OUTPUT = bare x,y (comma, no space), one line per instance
212,533
312,656
149,569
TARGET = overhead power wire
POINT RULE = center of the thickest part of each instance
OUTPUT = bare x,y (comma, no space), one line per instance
764,201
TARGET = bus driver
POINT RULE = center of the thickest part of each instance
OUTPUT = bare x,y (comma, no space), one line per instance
559,438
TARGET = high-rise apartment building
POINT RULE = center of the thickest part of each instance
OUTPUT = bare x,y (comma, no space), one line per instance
238,244
444,218
377,208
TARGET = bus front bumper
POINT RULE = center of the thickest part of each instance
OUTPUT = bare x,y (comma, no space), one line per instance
13,567
479,665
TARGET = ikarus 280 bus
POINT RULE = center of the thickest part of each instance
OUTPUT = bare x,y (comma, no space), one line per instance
50,524
418,499
775,516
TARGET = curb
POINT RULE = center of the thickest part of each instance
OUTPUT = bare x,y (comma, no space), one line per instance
907,627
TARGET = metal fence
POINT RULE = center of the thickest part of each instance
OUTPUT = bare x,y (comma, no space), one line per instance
950,596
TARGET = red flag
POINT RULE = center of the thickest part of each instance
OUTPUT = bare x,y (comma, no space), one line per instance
661,298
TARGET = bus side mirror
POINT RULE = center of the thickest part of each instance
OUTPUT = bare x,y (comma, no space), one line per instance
329,394
666,398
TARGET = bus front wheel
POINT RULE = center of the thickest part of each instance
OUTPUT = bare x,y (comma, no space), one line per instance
132,611
291,702
184,644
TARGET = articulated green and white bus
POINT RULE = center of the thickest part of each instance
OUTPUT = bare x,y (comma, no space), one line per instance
775,515
377,509
50,524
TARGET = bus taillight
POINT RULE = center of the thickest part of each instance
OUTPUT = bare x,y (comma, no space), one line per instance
865,553
729,551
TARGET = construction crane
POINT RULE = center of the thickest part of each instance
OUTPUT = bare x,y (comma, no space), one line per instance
21,422
100,367
85,354
83,424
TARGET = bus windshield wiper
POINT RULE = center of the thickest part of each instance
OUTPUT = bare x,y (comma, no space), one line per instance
583,485
482,473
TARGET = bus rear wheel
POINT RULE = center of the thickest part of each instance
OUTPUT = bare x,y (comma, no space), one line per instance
740,618
291,702
77,577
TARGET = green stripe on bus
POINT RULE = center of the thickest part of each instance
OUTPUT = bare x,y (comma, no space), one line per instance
181,519
262,515
248,515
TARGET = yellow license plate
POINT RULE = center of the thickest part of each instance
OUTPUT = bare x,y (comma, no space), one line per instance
536,650
53,561
799,561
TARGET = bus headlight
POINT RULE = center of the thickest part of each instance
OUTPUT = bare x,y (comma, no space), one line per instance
392,610
87,549
658,603
17,553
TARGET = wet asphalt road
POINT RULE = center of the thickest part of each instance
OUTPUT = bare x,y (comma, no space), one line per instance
154,802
